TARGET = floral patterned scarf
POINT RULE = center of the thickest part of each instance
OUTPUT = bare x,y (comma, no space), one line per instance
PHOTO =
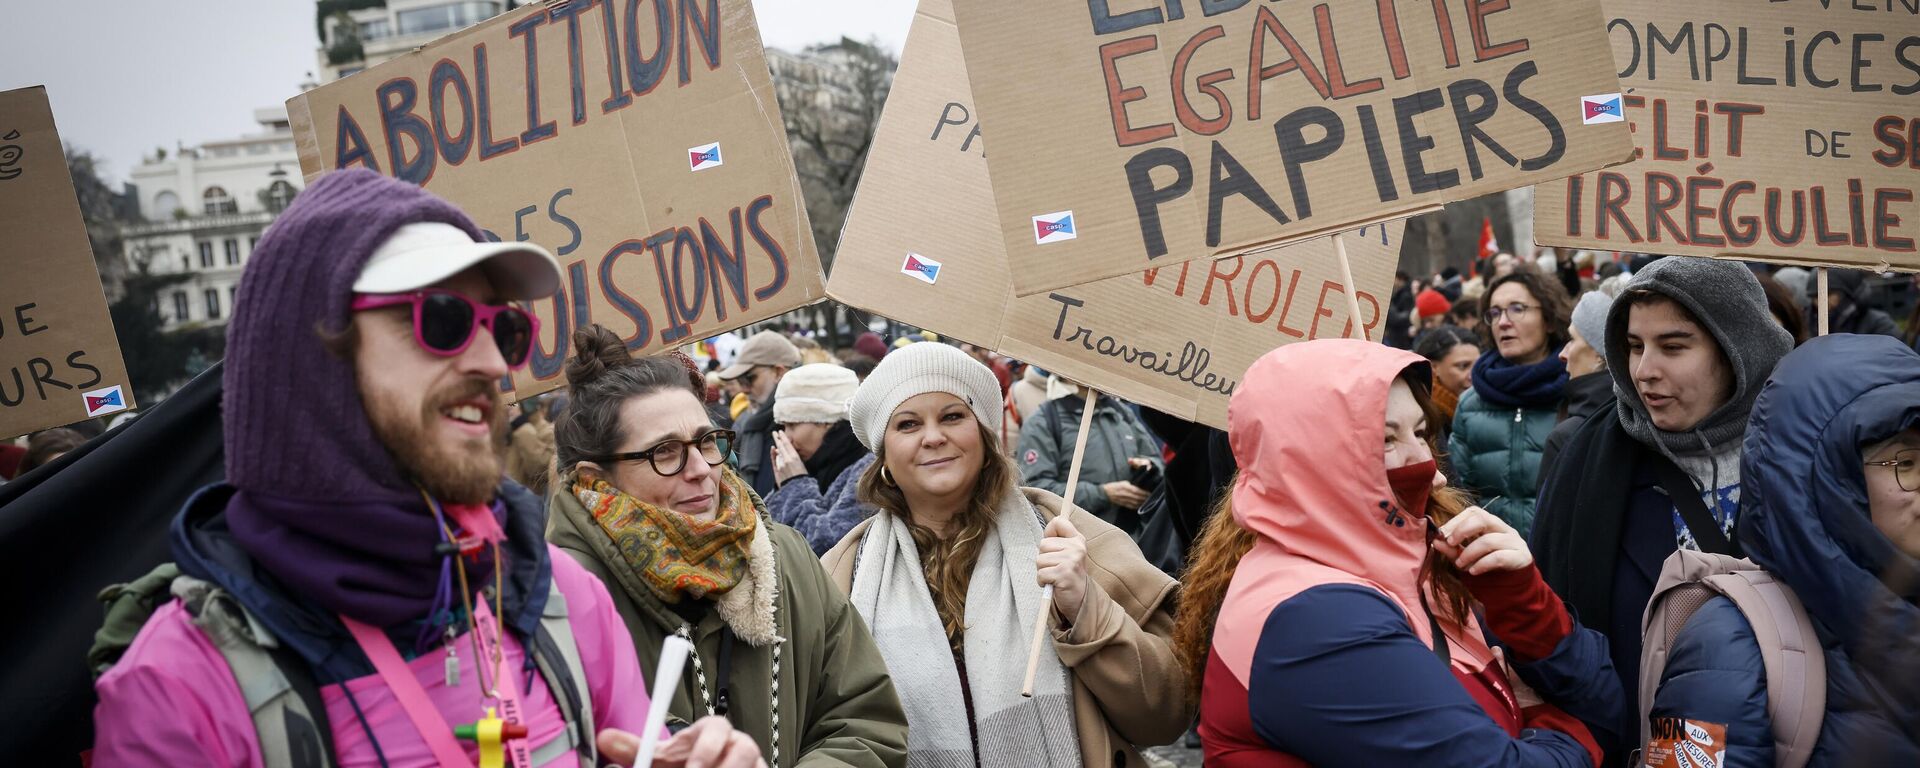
675,554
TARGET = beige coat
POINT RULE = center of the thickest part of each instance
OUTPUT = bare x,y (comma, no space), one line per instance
1127,684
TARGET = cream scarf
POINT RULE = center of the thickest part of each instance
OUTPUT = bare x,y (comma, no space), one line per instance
890,591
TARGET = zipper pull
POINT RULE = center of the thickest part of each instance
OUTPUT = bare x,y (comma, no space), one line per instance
1516,415
453,661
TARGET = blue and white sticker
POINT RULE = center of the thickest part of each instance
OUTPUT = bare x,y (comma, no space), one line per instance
101,402
1053,227
704,156
921,268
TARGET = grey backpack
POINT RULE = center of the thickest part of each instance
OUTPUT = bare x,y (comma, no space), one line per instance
1790,652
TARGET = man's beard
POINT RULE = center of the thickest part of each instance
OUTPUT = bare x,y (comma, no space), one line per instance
467,473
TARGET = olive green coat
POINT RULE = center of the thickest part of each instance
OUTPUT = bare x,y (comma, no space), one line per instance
837,703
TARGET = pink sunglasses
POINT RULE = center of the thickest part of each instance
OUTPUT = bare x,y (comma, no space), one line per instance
445,322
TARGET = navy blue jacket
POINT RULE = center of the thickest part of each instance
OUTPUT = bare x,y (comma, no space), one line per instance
1383,698
1803,517
1602,549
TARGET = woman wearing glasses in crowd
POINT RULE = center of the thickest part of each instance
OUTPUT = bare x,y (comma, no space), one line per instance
1501,425
956,558
647,502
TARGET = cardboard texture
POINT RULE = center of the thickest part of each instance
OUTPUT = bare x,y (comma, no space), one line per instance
1137,133
922,246
1784,132
59,358
641,143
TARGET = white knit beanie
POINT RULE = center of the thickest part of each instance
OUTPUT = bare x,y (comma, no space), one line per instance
1590,319
917,369
814,394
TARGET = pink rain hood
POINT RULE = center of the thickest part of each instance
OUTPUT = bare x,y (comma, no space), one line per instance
1308,429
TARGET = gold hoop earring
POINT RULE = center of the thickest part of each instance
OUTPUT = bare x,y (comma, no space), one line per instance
887,477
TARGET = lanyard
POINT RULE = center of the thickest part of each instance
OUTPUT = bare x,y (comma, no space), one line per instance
420,709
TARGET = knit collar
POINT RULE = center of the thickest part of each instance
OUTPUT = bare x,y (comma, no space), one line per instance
1509,385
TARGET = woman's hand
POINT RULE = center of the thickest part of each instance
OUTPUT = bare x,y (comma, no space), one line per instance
1480,542
1063,564
709,743
787,463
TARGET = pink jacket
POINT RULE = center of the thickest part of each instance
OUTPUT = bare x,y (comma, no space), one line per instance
171,700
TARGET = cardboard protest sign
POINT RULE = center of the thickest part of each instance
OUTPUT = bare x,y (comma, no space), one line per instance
1781,131
1143,133
922,246
59,359
640,142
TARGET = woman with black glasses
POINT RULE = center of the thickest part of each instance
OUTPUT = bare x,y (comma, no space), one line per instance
647,502
1501,425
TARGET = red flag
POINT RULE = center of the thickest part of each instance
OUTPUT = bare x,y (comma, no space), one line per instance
1489,247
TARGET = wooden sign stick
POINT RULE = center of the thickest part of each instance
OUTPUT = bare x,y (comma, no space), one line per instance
1041,619
1353,295
1820,276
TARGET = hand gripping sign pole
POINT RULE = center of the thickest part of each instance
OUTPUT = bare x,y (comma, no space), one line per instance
1041,619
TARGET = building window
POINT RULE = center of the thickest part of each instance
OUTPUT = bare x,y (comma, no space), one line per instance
218,201
213,304
233,252
186,263
164,205
375,29
279,194
180,306
253,243
439,18
206,254
233,294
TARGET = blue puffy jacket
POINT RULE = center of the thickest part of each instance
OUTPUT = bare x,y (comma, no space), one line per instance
1803,516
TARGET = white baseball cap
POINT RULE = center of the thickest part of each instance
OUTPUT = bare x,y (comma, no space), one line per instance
423,253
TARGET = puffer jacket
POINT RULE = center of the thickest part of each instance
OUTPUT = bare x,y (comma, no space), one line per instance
1496,453
1803,517
837,703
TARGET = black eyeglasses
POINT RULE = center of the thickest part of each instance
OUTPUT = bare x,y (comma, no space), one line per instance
669,457
1904,471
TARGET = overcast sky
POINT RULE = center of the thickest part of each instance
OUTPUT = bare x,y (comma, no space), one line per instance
126,76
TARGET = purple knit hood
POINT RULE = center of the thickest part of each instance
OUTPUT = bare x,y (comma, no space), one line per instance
295,426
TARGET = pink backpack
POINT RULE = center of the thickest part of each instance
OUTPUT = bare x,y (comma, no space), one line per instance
1790,652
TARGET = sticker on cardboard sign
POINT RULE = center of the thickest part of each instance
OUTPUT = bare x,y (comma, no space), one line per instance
1053,227
921,268
704,156
1604,108
1678,743
104,401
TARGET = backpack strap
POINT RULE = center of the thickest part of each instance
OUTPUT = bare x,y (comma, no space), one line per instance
1790,652
289,720
557,656
1686,499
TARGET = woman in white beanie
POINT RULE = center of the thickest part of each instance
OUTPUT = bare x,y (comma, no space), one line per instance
956,556
816,459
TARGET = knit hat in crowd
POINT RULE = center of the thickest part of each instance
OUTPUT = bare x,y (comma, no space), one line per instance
814,394
1724,298
294,422
1431,303
1590,319
917,369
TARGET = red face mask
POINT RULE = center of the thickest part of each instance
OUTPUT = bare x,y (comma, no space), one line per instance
1412,484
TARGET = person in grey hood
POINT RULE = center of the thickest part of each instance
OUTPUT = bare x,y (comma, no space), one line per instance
1689,342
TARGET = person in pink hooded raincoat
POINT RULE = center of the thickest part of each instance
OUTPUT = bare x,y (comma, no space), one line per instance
365,527
1346,636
